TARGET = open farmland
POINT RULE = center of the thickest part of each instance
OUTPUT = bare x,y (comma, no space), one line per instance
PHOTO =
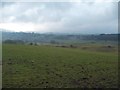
26,66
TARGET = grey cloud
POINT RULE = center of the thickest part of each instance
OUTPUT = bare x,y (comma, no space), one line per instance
37,12
72,17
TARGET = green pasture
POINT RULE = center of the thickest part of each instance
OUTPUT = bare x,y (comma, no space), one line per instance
29,66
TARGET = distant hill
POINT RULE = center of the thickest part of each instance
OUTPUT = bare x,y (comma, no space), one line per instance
46,38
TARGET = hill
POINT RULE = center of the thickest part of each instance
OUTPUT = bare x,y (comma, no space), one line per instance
57,38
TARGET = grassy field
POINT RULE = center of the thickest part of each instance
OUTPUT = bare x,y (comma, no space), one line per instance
55,67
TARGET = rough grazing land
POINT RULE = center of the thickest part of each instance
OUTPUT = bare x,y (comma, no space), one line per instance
56,67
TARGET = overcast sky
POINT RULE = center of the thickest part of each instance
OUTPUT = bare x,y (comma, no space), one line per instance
96,16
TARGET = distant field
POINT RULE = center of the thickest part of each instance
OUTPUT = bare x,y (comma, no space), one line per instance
56,67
